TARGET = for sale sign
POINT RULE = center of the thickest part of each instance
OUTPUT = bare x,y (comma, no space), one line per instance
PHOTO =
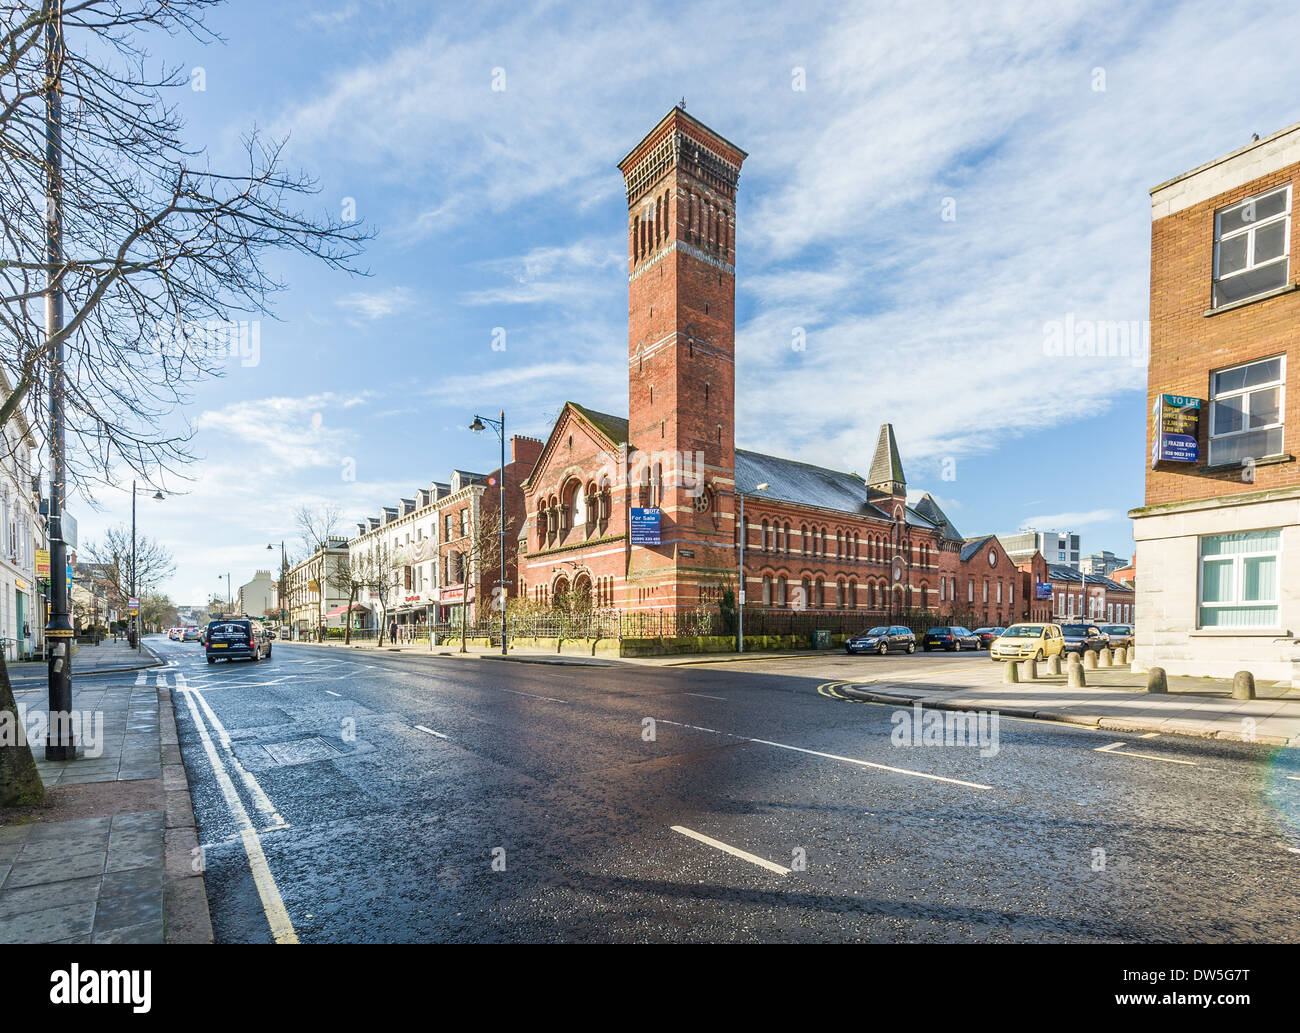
645,525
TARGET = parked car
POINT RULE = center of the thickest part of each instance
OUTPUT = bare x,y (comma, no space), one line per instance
1079,638
987,635
882,639
1119,635
952,638
1028,641
192,635
174,634
235,638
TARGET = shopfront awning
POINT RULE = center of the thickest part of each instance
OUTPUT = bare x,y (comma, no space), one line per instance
343,609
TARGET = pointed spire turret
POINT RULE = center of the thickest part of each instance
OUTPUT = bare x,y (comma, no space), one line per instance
886,473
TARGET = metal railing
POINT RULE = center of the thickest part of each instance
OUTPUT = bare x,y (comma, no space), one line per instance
654,624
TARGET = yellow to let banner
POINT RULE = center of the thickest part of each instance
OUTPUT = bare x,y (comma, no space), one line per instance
42,563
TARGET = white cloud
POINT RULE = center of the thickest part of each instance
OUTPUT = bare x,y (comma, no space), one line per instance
379,304
1070,521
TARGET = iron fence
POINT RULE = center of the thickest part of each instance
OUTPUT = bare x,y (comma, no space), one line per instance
652,624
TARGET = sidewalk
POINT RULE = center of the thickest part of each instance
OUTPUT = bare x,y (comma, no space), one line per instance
107,858
108,657
1113,698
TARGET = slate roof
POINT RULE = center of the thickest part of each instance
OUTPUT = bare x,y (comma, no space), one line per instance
1062,572
929,509
613,427
886,465
974,545
792,481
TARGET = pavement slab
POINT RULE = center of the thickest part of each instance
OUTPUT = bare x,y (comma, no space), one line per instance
89,865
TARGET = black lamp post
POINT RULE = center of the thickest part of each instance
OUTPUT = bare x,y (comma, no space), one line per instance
135,621
500,427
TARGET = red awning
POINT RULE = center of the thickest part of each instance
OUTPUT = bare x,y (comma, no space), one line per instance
343,609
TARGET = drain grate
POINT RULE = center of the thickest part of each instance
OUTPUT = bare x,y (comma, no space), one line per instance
301,751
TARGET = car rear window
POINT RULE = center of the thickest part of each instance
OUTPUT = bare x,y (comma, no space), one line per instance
1075,629
228,629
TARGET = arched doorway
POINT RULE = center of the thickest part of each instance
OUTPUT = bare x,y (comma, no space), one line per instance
581,599
560,595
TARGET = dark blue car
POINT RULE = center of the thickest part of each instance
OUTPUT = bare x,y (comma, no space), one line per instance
952,638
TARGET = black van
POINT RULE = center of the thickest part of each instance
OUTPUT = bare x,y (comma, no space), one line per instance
234,637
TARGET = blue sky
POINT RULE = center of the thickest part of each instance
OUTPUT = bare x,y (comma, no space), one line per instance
1041,127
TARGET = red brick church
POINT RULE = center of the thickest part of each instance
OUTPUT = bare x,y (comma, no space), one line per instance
641,513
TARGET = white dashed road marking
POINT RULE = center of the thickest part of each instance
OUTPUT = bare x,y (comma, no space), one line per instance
430,731
834,756
744,855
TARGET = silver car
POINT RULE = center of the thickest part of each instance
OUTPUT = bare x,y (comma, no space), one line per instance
1119,635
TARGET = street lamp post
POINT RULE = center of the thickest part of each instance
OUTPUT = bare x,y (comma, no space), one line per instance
740,601
500,427
60,743
229,601
135,621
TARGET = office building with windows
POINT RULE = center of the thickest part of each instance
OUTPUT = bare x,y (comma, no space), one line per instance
1218,540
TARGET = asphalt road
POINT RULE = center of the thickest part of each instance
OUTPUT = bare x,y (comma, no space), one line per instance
381,797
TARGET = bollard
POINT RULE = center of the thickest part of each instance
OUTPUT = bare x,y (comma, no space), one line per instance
1029,669
1243,685
1010,673
1090,659
1054,664
1104,657
1156,681
1121,656
1075,678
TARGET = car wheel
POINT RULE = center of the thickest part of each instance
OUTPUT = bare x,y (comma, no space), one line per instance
956,647
911,648
212,659
926,648
1038,657
883,649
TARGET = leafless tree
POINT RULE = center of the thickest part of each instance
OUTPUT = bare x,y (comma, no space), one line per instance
112,558
157,247
378,569
317,527
477,562
161,251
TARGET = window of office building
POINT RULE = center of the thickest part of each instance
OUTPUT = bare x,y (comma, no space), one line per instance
1246,411
1239,579
1252,246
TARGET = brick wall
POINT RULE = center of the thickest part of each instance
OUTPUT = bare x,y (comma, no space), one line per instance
1186,344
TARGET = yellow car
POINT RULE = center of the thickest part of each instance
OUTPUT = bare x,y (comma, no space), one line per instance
1028,642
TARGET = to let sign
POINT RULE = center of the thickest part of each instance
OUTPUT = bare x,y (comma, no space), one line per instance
1177,422
645,525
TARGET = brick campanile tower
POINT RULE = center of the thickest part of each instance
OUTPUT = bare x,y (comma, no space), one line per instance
681,196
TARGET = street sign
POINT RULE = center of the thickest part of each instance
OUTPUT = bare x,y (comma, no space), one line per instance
133,603
645,525
42,563
1176,420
